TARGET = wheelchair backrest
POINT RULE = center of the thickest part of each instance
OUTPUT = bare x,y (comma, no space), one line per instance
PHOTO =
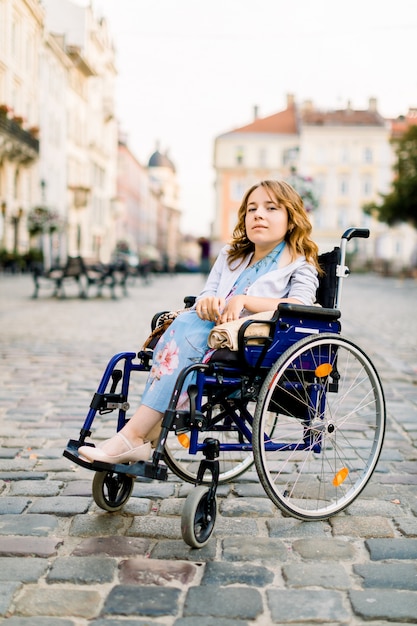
327,289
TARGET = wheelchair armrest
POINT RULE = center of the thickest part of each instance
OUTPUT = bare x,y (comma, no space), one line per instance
308,312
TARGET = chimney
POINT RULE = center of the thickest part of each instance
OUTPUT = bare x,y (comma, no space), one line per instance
290,100
372,105
307,106
255,111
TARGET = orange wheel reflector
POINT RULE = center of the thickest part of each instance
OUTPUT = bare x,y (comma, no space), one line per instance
323,370
184,440
340,477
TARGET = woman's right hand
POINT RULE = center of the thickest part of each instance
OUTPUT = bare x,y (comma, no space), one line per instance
210,308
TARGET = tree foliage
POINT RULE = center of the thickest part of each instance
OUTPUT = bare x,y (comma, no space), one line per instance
400,205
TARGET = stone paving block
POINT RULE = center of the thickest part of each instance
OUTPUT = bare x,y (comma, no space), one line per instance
13,505
378,604
316,575
247,527
35,488
39,621
136,600
78,488
16,464
100,524
59,602
324,549
22,569
355,526
171,506
362,507
60,506
254,549
388,575
8,453
153,490
7,591
112,546
290,605
285,527
382,549
138,506
209,621
105,621
39,525
82,570
156,527
11,475
232,602
245,490
29,546
222,574
140,571
407,526
247,507
178,550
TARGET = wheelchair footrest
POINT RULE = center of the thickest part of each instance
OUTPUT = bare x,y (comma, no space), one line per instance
146,469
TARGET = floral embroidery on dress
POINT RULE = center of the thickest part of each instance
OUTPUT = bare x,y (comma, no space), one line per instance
166,360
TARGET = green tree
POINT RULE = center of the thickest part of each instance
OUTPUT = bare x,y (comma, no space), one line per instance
400,205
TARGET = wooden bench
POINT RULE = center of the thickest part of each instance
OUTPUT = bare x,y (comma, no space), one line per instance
84,275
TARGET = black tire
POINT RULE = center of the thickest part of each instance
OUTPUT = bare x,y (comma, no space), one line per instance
111,490
198,517
323,408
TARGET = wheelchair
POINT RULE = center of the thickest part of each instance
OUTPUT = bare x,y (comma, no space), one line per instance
303,404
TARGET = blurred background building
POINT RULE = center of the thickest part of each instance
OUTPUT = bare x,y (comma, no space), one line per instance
70,184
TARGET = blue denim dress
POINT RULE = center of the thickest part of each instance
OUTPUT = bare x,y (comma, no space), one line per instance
185,340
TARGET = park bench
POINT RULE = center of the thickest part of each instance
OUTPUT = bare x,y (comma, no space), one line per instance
84,275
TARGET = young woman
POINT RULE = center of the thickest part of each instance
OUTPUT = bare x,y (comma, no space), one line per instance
271,259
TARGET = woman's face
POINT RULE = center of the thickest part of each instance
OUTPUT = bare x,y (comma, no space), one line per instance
266,222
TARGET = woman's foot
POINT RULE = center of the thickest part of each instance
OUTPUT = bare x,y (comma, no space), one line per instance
118,449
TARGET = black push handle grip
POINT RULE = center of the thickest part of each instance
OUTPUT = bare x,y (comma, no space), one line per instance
350,233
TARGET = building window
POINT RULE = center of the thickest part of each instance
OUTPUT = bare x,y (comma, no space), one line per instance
343,186
367,155
239,155
262,157
367,186
237,189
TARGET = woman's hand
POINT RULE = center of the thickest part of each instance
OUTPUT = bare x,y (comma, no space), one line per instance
210,308
232,310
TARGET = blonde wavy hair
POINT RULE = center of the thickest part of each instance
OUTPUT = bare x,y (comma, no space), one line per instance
299,226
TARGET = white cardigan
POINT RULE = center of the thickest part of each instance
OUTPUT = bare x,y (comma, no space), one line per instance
294,280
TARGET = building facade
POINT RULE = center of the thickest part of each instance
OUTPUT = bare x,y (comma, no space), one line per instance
61,160
346,154
21,25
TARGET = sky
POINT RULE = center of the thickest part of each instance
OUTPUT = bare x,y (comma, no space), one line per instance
190,70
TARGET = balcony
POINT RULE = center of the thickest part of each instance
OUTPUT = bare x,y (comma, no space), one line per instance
17,144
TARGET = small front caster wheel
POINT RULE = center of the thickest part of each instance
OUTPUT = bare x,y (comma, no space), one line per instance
112,490
198,517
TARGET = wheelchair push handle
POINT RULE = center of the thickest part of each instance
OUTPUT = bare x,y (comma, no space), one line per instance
342,270
350,233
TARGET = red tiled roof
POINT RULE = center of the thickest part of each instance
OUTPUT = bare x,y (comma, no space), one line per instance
344,117
401,124
284,122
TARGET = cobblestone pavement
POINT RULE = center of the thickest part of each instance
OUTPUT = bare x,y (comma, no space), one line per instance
65,562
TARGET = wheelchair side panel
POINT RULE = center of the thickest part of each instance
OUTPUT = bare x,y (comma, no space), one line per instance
261,352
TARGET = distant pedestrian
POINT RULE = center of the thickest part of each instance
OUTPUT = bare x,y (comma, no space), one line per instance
204,244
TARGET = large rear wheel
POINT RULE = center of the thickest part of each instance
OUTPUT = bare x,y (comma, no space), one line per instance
319,427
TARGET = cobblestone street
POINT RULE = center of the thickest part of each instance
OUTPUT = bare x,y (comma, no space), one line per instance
66,562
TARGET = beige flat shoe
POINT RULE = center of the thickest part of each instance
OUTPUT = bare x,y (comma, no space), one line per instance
130,455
